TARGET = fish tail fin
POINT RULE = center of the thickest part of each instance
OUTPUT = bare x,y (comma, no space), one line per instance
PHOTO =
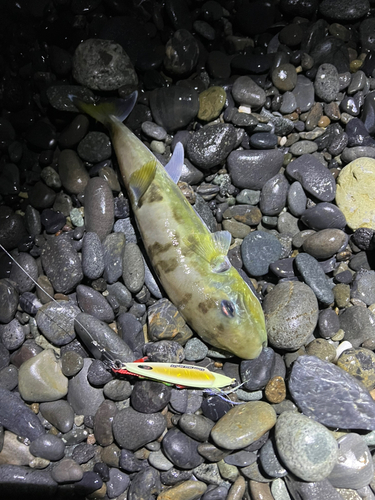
107,111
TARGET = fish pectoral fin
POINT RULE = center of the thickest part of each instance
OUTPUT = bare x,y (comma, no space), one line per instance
222,241
175,164
213,249
141,179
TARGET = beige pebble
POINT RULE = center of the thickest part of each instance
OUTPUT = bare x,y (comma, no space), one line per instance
355,193
14,452
260,491
237,490
324,121
188,490
275,390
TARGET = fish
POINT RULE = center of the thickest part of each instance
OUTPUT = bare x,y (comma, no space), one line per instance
190,262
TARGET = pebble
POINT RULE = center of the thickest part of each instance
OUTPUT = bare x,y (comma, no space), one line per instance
67,471
59,413
133,429
324,216
246,91
255,373
325,243
354,468
174,107
62,264
40,378
267,248
149,396
291,313
17,417
113,252
284,77
12,335
93,302
56,321
364,287
188,490
358,324
95,147
307,448
304,93
14,452
243,425
92,256
211,103
270,462
326,83
314,277
195,350
275,390
211,145
359,362
274,195
344,11
252,169
133,272
351,406
99,207
356,178
102,65
83,397
74,177
49,447
313,176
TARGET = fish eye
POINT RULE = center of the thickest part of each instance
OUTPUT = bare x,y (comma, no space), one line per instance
228,308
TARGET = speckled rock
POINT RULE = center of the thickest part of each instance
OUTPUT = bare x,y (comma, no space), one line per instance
291,312
360,363
103,65
99,207
358,324
133,429
307,448
350,404
56,321
354,193
243,425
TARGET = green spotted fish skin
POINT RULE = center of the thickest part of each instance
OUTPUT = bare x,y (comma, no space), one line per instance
189,260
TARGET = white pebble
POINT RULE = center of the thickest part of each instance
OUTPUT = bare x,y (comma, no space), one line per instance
344,346
244,109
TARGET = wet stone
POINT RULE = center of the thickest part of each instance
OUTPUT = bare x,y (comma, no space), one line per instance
84,398
274,195
92,256
351,406
74,177
257,372
49,447
83,452
144,484
265,246
71,363
325,243
252,169
8,301
360,363
211,145
40,378
324,216
354,468
181,449
304,93
275,390
56,321
166,323
113,251
246,91
61,264
211,103
270,461
117,483
284,77
133,429
158,460
243,425
9,377
133,267
358,324
99,207
364,287
12,335
174,107
300,148
313,176
98,374
314,276
149,396
326,82
196,426
19,276
295,435
93,302
291,312
67,471
12,228
329,323
18,418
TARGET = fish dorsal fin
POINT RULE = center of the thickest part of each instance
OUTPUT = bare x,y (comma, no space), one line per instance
175,164
141,179
212,248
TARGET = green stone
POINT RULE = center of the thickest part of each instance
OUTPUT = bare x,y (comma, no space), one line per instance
211,103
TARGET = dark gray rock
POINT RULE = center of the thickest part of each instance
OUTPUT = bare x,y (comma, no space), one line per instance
257,372
133,429
83,397
350,404
181,449
258,250
314,276
324,216
92,302
174,107
149,396
274,195
56,321
145,484
48,446
315,178
358,324
92,256
252,169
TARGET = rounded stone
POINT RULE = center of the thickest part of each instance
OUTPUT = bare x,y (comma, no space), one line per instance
307,448
103,65
360,363
211,103
99,207
40,378
284,77
49,447
325,243
358,324
267,249
243,425
275,390
322,349
133,267
73,175
354,193
291,312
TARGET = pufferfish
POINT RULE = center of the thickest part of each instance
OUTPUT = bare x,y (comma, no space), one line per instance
190,261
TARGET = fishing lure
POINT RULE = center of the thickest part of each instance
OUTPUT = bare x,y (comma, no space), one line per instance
180,375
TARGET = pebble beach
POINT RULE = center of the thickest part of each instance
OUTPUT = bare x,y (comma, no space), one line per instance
274,104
